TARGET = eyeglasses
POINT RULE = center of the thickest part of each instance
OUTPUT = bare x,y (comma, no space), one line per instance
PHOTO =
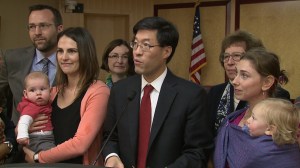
236,56
42,26
144,46
117,57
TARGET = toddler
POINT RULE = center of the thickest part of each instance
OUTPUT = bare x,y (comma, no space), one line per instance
36,100
278,118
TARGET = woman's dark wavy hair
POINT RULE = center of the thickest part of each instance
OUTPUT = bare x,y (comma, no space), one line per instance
88,62
112,45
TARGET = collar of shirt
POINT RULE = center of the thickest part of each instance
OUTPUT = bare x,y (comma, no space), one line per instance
157,83
39,57
36,66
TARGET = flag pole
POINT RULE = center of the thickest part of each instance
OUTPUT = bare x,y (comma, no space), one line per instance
197,3
198,58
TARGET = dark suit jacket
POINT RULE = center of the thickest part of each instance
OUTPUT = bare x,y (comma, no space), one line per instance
179,132
214,97
15,66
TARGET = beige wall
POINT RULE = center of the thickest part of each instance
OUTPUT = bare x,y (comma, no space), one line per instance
13,32
213,31
115,15
276,23
108,19
277,26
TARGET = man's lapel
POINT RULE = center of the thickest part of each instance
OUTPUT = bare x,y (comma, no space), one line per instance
133,113
165,100
27,60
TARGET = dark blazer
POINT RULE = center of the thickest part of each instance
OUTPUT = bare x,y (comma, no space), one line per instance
16,65
179,132
214,97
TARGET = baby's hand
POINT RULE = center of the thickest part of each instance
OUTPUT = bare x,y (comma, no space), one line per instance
23,141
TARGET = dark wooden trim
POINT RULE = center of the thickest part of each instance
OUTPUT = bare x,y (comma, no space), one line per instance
228,18
237,15
187,5
226,3
172,6
260,1
238,4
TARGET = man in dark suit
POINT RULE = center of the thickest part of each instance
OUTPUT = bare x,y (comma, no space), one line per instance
44,23
221,97
179,132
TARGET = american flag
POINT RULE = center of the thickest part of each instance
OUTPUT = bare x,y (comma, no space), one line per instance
198,59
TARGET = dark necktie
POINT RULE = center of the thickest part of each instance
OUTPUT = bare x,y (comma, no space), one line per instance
144,127
45,63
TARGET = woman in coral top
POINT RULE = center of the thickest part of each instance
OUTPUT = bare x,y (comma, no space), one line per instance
79,102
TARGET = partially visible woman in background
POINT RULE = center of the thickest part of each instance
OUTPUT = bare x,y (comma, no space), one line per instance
79,102
118,61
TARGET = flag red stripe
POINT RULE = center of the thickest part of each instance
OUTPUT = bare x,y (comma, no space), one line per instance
198,59
197,43
194,79
198,64
197,54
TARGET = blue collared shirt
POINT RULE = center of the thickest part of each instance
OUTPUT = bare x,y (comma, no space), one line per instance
37,65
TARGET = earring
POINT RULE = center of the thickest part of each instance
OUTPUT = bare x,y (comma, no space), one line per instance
263,93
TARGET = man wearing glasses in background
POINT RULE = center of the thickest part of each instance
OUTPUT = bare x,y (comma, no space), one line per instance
44,23
221,97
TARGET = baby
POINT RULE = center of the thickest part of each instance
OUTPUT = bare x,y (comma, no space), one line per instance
36,101
275,117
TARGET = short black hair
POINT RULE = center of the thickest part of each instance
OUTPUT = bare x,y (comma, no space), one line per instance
167,34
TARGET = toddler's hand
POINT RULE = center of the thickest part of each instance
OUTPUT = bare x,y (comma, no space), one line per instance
23,141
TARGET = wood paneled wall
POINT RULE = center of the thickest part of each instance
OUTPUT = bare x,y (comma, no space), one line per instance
106,10
274,21
108,19
278,25
14,21
213,29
